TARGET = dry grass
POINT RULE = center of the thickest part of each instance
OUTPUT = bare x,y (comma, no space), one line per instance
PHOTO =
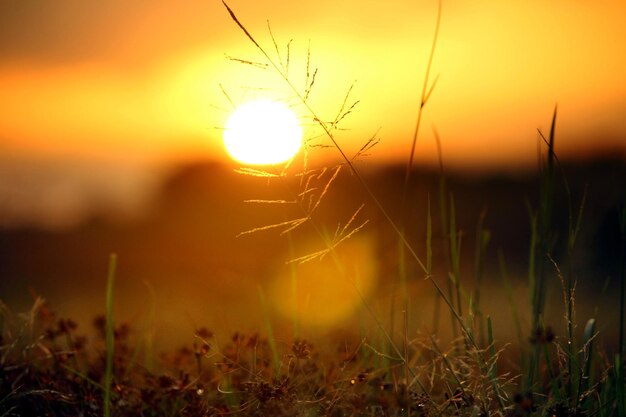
48,368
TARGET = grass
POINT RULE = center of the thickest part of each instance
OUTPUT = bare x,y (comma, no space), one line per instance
237,378
48,368
110,336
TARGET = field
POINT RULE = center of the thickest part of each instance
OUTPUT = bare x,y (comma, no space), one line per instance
332,287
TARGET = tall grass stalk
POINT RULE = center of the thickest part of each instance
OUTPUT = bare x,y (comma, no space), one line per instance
327,129
270,332
482,241
405,207
443,217
622,277
110,336
567,283
357,174
493,369
455,256
407,365
573,229
427,89
621,388
492,349
587,353
328,133
619,385
389,347
294,291
429,263
544,229
388,337
541,245
506,283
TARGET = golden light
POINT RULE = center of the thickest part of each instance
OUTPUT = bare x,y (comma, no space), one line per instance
321,295
262,132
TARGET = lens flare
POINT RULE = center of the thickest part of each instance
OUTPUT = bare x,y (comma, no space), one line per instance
319,295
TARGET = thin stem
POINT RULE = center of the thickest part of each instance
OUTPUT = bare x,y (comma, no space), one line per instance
327,131
353,169
110,336
426,91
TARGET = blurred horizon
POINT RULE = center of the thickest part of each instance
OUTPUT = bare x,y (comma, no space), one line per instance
182,264
63,194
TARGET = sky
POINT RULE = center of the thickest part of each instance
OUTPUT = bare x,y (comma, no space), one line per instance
98,98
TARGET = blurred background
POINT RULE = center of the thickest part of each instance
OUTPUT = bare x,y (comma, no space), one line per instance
110,141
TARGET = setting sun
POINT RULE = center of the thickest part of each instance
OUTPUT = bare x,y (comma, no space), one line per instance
262,132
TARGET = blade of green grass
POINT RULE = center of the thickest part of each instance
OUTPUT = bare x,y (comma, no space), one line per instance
426,91
270,332
618,369
506,283
482,241
583,381
455,255
545,229
621,389
492,349
110,336
493,371
294,290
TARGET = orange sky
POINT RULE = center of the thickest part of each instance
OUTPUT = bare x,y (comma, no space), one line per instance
133,85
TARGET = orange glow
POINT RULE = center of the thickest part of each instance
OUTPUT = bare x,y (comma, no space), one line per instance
89,111
328,291
502,67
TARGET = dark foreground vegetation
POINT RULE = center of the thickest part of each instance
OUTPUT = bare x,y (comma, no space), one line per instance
47,368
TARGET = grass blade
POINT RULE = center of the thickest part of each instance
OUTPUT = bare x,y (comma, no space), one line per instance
270,332
110,336
426,92
492,349
621,389
588,335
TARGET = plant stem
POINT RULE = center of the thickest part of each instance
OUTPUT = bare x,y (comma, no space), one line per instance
426,91
621,389
110,336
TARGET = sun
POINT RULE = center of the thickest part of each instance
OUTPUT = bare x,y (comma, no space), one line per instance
262,132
